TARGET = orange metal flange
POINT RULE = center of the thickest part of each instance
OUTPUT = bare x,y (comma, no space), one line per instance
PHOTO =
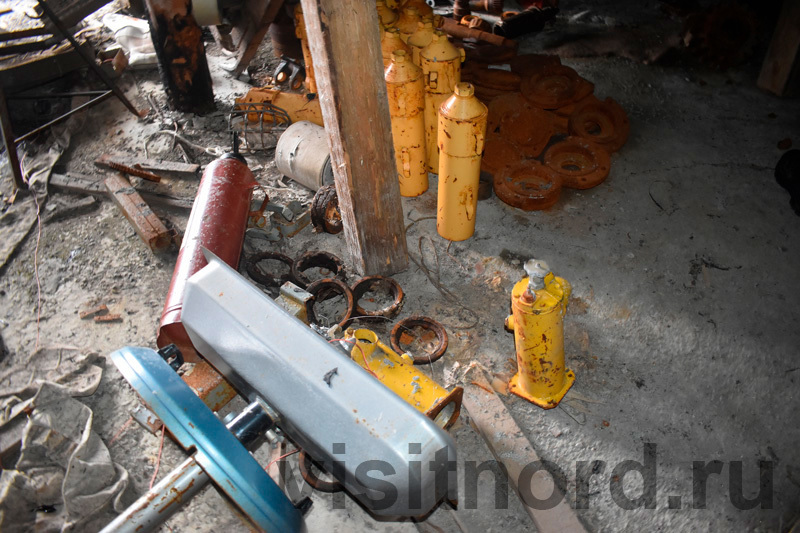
552,87
603,123
580,163
499,153
530,129
530,186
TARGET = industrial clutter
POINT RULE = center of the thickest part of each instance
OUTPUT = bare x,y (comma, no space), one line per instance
399,265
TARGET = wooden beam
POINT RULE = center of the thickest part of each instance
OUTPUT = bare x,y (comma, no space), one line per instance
489,417
782,63
259,14
79,184
348,66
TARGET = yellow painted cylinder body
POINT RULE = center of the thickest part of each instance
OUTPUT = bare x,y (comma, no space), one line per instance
300,31
406,94
441,70
538,325
420,39
422,6
461,134
386,15
399,374
407,21
391,41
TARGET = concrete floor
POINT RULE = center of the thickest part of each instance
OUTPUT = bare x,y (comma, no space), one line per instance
681,330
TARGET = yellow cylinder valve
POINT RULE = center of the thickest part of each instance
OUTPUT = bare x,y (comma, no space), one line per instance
399,374
441,70
406,101
420,39
462,129
391,41
386,15
538,304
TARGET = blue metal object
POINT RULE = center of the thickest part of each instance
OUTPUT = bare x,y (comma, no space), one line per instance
218,452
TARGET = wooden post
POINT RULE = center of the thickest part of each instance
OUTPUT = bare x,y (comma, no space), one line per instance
348,66
178,41
781,65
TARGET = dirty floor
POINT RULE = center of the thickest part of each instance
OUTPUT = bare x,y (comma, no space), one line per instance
681,329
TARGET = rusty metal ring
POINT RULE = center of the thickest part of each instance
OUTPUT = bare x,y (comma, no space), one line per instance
324,289
313,479
530,187
316,259
422,322
325,213
580,163
603,123
365,284
551,87
265,278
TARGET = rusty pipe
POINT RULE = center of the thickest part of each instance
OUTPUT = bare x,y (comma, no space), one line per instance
487,6
451,27
217,222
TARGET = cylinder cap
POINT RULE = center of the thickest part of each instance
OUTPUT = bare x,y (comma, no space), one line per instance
464,89
399,56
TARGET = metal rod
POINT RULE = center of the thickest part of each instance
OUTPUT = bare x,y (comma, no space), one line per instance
10,143
179,486
63,117
87,57
44,96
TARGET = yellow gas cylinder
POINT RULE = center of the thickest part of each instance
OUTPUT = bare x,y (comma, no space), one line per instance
422,7
407,21
300,31
393,4
386,15
398,373
390,41
538,304
420,39
441,70
406,101
462,129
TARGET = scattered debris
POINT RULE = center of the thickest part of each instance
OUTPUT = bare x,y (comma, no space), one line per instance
147,225
108,318
101,309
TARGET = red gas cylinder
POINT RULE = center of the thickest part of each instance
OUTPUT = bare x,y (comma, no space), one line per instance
217,222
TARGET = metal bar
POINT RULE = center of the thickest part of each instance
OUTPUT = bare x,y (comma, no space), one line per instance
44,96
10,143
63,117
179,486
87,57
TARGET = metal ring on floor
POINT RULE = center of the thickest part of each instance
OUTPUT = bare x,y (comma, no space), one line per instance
265,278
603,123
324,289
580,163
530,187
363,285
313,479
425,323
316,259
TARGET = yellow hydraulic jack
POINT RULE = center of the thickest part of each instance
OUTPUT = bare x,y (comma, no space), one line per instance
538,304
399,374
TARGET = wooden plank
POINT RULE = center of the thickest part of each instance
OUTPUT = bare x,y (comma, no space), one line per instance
79,184
348,66
261,13
780,65
489,416
141,163
146,223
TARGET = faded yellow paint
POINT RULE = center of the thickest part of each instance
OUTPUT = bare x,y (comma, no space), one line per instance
297,105
538,325
461,133
406,94
398,373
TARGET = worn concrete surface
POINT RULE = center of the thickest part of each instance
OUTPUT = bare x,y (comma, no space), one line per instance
681,330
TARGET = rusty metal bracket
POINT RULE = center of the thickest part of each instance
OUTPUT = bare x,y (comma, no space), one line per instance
290,73
422,322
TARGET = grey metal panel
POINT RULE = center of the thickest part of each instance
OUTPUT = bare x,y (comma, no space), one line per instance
266,353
